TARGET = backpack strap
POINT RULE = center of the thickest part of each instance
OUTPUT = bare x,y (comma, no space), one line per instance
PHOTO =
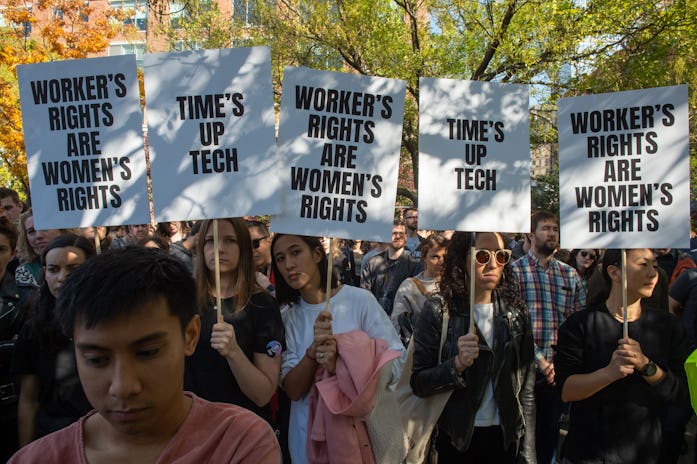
420,286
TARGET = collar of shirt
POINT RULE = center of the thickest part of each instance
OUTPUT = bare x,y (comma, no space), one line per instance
535,261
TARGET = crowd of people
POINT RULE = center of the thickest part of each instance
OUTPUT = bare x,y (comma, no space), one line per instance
148,342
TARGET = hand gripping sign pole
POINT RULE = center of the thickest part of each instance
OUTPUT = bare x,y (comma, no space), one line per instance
326,314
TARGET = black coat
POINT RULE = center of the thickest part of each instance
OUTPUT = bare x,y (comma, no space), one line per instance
509,364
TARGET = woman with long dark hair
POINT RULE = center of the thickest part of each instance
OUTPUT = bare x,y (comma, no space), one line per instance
618,385
585,261
51,396
300,266
179,242
490,415
237,360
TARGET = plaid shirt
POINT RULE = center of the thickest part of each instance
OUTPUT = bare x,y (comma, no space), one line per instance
551,295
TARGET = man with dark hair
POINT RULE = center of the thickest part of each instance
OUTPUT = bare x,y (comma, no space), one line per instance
552,290
261,250
414,240
136,232
133,318
261,245
10,204
385,272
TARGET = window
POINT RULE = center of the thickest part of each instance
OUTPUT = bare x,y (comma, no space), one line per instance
26,25
127,48
83,15
177,11
245,12
139,9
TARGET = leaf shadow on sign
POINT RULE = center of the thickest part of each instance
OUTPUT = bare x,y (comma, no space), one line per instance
499,202
86,172
239,172
615,206
302,141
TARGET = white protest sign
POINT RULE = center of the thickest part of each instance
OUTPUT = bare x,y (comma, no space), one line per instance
84,141
474,156
624,174
211,133
339,142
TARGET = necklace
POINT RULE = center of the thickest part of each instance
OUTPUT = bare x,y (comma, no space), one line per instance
618,314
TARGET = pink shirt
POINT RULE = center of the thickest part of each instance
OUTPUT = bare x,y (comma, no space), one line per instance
211,433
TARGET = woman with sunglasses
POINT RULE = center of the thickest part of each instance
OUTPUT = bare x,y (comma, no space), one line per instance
584,261
237,360
618,386
490,371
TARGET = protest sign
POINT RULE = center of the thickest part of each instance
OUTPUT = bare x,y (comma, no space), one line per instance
624,174
84,142
339,141
211,133
474,156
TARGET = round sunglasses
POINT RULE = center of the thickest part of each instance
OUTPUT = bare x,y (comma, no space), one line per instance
483,256
586,254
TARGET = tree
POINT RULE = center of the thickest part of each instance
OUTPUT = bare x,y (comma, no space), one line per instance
45,31
519,41
654,58
545,192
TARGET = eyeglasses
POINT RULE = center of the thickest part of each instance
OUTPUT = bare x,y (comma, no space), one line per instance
483,256
256,243
586,254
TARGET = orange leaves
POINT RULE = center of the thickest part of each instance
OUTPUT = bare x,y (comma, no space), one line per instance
44,30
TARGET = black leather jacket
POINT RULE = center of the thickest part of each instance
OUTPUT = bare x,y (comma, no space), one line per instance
509,363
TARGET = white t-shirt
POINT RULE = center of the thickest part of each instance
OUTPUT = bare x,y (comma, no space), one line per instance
352,308
488,413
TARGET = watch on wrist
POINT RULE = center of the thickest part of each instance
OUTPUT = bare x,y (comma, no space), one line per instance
649,370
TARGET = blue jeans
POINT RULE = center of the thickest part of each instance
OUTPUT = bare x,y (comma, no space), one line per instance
549,407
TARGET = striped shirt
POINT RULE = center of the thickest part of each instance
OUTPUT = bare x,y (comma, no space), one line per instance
551,295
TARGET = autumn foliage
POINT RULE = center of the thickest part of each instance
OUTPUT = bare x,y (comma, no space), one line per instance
48,30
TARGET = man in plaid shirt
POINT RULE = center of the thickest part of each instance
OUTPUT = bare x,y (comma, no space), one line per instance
552,290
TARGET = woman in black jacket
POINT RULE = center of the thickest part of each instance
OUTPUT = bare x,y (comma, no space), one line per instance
490,371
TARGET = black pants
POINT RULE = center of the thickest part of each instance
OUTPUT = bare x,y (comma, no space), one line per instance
486,446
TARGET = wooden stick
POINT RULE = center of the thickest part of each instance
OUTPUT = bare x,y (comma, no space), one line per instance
218,300
330,272
472,278
625,324
97,242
